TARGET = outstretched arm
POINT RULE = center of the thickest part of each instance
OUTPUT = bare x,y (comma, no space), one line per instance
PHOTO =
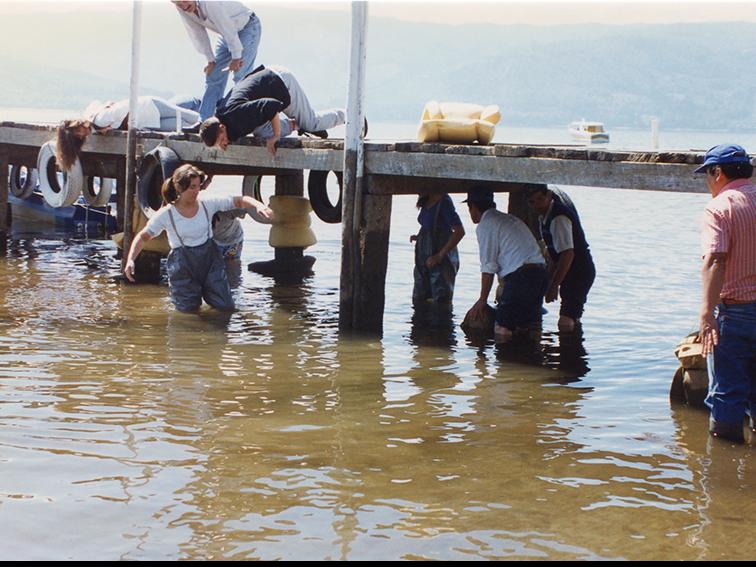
136,247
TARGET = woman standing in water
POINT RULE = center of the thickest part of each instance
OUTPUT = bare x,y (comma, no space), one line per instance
436,256
195,266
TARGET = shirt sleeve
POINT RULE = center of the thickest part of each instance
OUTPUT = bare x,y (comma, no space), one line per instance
158,223
218,204
449,215
198,35
561,231
714,233
217,12
489,251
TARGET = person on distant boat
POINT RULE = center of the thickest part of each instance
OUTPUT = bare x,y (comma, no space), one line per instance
257,100
728,309
239,29
153,113
510,251
571,264
195,266
436,256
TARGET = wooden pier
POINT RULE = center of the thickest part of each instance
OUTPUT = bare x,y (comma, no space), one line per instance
390,168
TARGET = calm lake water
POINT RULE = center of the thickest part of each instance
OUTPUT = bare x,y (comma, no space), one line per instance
130,431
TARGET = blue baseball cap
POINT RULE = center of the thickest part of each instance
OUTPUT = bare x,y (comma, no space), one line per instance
479,195
723,154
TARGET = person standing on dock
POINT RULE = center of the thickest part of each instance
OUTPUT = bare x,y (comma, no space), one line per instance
436,256
571,264
235,51
728,309
256,101
195,266
510,251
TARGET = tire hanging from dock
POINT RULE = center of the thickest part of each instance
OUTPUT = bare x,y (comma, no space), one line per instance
22,186
317,189
155,167
98,197
73,180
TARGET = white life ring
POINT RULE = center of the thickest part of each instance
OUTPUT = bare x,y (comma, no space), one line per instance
73,180
98,197
22,185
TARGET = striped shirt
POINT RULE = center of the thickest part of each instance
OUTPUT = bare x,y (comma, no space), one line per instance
729,226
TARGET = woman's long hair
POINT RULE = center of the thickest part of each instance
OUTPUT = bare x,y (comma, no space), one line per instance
68,144
181,179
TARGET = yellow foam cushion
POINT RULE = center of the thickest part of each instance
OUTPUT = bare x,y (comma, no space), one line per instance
282,236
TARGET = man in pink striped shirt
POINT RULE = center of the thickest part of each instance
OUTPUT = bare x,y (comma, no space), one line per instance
728,310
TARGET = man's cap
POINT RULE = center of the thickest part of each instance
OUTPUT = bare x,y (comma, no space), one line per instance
479,195
724,154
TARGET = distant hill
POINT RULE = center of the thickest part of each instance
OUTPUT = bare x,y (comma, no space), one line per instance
688,75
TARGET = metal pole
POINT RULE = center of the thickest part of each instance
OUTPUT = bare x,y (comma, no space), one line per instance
131,139
353,171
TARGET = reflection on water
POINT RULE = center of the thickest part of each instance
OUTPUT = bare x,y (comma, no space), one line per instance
152,434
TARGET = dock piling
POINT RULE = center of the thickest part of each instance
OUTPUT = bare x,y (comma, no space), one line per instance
4,212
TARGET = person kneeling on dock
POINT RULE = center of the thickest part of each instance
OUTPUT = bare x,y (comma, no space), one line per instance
256,101
195,266
571,267
507,249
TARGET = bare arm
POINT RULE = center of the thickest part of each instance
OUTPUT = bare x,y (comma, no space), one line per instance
136,247
275,122
712,274
563,266
250,203
486,283
458,233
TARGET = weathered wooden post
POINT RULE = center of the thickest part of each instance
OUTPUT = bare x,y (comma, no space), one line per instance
518,205
353,174
131,139
3,202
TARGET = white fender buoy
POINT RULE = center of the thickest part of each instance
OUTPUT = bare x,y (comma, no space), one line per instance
22,185
73,180
98,196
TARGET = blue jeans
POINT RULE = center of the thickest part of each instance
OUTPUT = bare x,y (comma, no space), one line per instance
732,366
215,82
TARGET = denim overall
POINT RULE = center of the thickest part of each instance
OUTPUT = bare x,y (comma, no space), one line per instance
436,283
197,272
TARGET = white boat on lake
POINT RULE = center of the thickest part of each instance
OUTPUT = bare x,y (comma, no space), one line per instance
592,132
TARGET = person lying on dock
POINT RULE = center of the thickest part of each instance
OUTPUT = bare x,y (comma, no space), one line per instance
571,267
153,113
256,100
507,249
195,266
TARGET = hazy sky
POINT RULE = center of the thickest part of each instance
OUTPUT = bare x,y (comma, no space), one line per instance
501,12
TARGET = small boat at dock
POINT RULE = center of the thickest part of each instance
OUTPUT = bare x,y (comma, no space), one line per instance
592,132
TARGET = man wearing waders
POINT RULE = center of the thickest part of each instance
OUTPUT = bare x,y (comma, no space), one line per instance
436,256
195,266
571,264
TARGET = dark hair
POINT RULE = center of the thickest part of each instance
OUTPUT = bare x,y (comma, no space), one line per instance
742,170
539,188
209,131
180,179
68,145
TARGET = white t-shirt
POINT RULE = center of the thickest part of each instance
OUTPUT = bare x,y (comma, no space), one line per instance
194,231
113,115
560,229
505,243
